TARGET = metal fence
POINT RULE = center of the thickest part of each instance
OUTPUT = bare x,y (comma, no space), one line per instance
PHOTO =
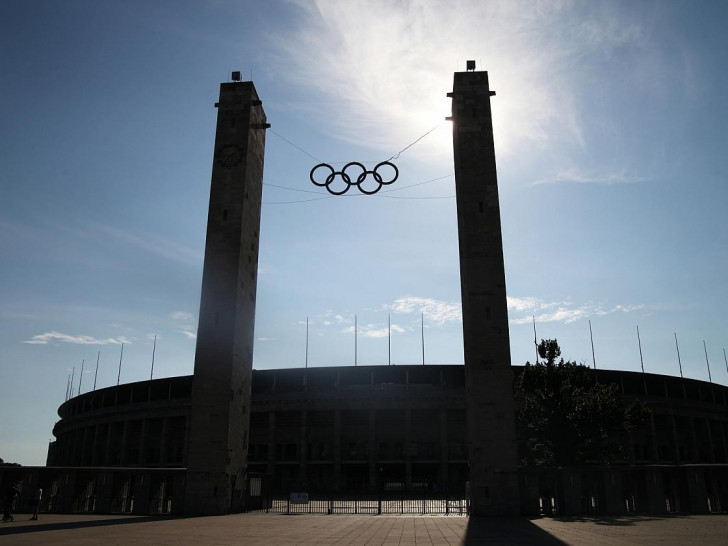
393,503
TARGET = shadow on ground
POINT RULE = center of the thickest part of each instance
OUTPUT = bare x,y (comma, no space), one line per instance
511,531
24,526
618,521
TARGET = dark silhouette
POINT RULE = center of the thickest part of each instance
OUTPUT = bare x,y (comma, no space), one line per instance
37,496
8,502
566,417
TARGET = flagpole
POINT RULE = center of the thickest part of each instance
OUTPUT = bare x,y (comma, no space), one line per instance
355,340
642,362
73,374
706,361
306,342
389,340
154,350
423,339
118,377
80,377
97,368
535,339
677,348
591,337
594,360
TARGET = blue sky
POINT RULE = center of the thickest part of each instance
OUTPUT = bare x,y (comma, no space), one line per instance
610,136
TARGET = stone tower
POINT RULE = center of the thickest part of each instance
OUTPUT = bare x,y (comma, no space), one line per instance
492,452
220,416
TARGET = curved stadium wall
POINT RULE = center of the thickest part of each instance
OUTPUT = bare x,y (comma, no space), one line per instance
377,427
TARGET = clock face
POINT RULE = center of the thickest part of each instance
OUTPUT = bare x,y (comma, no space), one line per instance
229,156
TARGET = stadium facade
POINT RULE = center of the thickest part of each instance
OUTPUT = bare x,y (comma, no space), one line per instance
372,428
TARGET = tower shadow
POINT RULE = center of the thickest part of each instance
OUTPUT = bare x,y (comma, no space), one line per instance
511,531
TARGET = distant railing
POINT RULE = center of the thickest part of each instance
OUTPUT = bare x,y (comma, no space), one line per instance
385,502
160,505
122,505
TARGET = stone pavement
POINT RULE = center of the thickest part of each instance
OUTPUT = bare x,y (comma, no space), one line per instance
270,530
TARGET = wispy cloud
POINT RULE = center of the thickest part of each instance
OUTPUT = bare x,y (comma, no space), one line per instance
181,315
44,339
185,323
153,244
437,311
366,57
330,318
559,311
374,330
577,176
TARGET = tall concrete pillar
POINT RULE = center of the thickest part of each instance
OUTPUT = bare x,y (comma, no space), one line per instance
220,413
492,450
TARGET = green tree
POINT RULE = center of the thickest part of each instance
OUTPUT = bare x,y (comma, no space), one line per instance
566,417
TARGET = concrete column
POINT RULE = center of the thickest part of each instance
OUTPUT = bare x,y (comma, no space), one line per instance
124,456
675,439
143,443
655,489
107,450
492,454
221,392
372,449
444,455
303,455
613,501
142,492
163,446
653,439
66,490
711,445
95,454
697,491
337,449
84,446
103,492
69,448
408,446
271,442
696,451
571,493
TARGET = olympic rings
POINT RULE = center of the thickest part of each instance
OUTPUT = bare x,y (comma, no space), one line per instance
350,180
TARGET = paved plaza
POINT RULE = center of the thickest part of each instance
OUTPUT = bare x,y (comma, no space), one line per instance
270,529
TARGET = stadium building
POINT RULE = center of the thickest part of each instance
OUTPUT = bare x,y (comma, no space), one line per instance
229,438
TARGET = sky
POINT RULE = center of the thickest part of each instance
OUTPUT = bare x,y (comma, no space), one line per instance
610,134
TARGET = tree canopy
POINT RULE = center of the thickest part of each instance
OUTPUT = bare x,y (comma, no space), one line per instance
565,417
